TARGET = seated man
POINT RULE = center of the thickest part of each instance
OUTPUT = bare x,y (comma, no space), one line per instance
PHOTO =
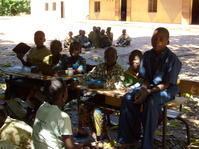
52,127
159,69
77,37
124,40
68,40
109,34
92,36
104,40
14,134
113,75
83,39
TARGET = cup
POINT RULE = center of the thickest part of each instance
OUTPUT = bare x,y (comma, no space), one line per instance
70,71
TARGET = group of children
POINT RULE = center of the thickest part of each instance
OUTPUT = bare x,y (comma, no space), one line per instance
97,38
51,61
150,81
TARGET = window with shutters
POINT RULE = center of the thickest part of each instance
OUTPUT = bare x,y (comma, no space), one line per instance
46,6
97,6
152,6
54,6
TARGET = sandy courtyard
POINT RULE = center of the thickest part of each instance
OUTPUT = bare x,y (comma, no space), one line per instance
184,40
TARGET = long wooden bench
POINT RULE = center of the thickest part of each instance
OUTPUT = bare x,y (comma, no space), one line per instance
190,87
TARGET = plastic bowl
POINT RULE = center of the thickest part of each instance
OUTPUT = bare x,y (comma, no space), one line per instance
95,84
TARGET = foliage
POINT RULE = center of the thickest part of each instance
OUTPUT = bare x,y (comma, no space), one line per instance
14,7
187,95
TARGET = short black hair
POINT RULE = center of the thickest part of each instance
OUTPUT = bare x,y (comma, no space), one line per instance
53,88
135,53
163,30
110,50
55,44
75,46
39,32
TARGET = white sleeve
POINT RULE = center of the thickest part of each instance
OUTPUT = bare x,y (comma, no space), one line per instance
65,124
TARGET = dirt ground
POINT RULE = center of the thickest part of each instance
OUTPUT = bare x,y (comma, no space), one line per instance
184,41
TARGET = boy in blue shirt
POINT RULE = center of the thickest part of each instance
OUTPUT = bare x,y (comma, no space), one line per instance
159,69
75,61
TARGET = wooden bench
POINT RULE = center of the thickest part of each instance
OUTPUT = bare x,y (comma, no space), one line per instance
190,87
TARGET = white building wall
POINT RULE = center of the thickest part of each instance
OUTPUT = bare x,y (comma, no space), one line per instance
73,9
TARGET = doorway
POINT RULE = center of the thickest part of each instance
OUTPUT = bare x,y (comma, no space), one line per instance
62,9
195,12
123,10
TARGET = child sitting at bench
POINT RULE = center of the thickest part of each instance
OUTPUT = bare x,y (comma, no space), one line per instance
75,61
132,74
113,75
36,55
51,62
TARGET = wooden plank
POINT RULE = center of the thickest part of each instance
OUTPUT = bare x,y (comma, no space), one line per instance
116,102
106,92
176,102
191,87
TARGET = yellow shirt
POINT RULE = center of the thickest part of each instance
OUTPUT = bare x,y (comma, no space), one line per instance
35,56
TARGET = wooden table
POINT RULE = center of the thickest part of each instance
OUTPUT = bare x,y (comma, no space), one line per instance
25,72
112,97
21,77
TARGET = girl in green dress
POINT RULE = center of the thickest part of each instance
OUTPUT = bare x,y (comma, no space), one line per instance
132,75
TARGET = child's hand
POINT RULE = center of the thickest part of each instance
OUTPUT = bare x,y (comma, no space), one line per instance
141,96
